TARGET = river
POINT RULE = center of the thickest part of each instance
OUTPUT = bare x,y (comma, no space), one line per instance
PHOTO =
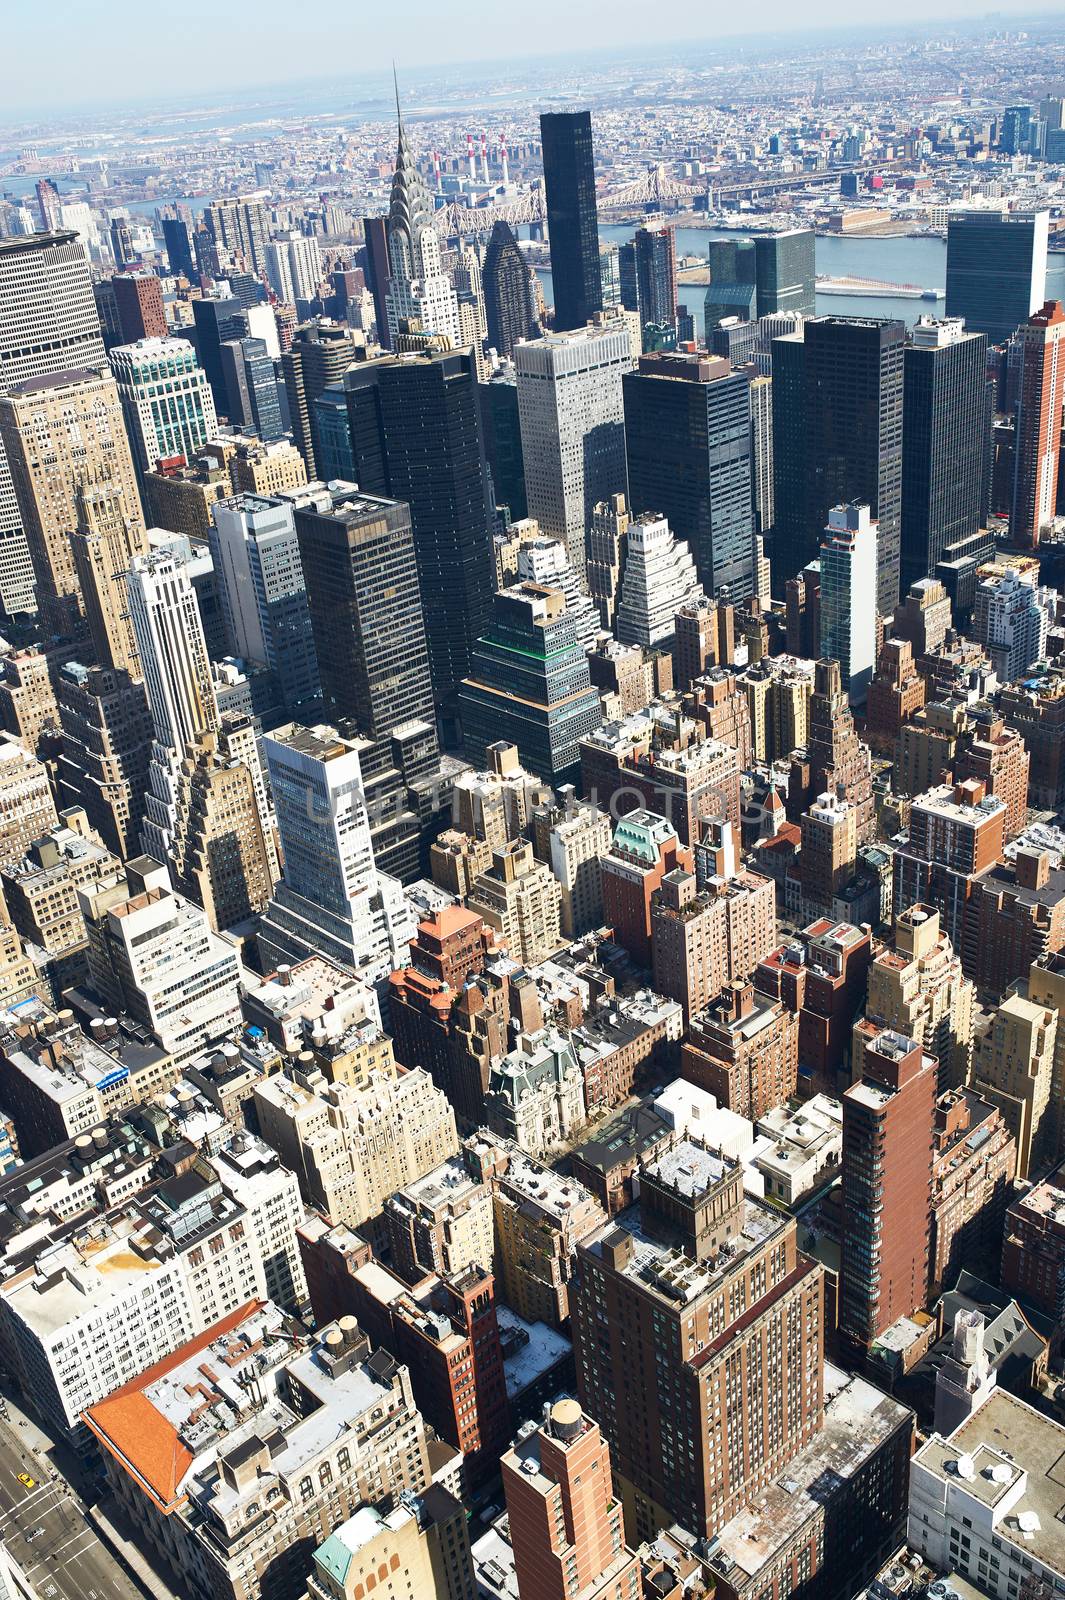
893,260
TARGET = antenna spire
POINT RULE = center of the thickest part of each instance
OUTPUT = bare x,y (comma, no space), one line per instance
395,80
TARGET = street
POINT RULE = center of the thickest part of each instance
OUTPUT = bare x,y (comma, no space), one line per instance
64,1560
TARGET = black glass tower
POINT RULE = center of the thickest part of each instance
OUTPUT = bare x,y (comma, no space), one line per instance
178,240
530,685
215,323
572,218
508,296
785,272
944,443
996,269
794,544
436,462
688,441
853,431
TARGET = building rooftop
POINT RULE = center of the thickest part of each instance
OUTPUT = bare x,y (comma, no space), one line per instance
858,1420
1008,1457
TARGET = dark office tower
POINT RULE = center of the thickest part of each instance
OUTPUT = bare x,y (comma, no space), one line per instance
996,269
122,242
361,577
508,296
1015,130
366,436
375,266
656,275
139,299
944,442
794,545
530,685
733,290
246,289
48,324
253,401
785,272
853,431
177,236
436,463
888,1117
572,218
628,283
688,440
321,353
501,425
103,292
216,321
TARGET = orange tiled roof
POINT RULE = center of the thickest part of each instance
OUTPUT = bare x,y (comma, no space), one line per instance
138,1436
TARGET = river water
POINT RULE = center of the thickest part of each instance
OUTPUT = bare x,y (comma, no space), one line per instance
894,260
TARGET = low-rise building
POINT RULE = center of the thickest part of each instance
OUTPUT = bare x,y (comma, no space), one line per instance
984,1501
1033,1246
422,1546
805,1147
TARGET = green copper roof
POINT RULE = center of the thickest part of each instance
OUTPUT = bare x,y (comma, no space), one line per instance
334,1558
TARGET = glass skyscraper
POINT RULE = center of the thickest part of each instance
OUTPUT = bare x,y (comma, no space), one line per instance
785,272
688,434
996,269
572,218
944,442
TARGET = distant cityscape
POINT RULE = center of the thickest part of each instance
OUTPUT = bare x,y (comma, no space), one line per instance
532,828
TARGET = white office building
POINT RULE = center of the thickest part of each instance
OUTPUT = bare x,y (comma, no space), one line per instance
153,953
166,399
177,676
572,416
660,577
332,901
985,1502
848,596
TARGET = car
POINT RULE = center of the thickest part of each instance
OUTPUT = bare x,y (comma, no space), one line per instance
26,1481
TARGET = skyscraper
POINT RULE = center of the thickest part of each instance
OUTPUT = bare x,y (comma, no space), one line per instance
48,324
358,559
139,301
565,1524
319,355
1038,428
688,435
853,425
529,684
436,463
573,427
294,267
943,442
177,676
888,1117
848,597
508,296
264,599
166,398
332,900
572,217
655,261
419,288
679,1294
996,269
61,433
733,287
785,272
376,268
217,318
793,545
177,237
253,403
107,539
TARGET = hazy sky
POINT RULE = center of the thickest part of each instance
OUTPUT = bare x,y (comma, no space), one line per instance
82,52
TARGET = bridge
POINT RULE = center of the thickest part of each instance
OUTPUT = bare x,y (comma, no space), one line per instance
654,191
